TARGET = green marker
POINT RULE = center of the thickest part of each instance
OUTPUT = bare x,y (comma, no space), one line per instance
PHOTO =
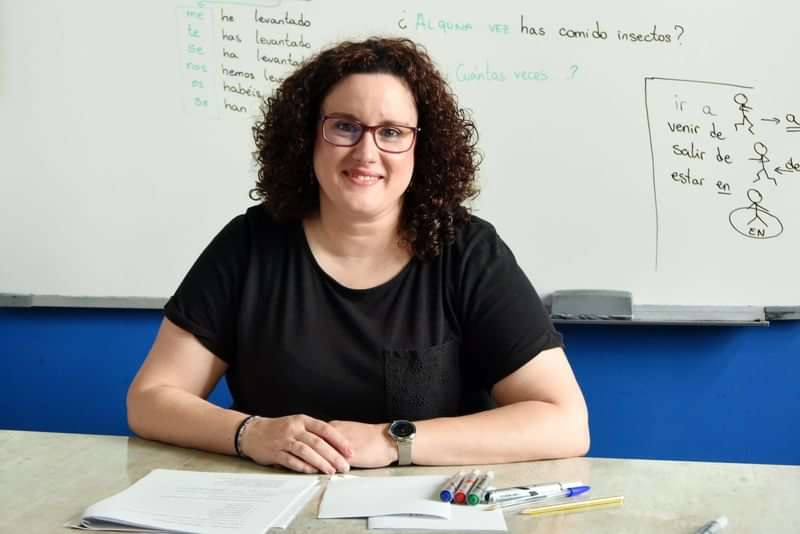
479,489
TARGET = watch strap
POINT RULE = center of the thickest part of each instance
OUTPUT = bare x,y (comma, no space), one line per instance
403,451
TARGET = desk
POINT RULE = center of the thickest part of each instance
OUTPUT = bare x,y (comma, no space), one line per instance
47,479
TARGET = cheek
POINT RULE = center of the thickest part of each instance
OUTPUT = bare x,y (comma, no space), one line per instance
403,167
324,158
409,167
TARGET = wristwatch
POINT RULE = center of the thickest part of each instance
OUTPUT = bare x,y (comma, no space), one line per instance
403,432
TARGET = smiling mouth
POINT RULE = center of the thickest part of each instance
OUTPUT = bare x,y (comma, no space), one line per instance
362,179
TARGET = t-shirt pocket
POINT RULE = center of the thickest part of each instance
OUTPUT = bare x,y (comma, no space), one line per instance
423,383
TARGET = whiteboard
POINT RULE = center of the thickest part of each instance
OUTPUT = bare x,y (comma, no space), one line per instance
640,146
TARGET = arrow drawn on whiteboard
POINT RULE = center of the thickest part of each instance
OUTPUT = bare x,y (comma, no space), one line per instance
776,120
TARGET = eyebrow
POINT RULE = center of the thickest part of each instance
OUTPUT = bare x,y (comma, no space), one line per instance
345,115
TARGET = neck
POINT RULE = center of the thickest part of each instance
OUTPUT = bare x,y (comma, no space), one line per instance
356,239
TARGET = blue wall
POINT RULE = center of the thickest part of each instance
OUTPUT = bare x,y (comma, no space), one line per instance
694,393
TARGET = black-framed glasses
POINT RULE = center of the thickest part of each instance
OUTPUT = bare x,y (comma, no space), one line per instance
392,138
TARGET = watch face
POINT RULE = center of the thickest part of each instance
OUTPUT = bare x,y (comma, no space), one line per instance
402,429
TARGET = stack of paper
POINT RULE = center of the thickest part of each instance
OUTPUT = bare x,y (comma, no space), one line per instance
203,503
406,502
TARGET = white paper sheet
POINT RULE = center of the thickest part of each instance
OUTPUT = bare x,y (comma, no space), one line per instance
204,503
462,518
376,496
288,515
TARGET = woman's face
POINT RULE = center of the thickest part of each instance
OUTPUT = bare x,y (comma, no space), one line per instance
362,183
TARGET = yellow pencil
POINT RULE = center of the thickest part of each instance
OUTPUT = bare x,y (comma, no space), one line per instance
587,504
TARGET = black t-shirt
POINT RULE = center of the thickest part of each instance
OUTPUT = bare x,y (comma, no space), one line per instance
430,342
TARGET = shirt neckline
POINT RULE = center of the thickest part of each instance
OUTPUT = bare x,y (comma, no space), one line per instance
338,285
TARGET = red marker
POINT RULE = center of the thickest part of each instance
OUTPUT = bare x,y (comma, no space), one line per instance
466,485
450,487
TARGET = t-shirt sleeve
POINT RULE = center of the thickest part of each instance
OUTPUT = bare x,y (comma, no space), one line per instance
206,303
505,324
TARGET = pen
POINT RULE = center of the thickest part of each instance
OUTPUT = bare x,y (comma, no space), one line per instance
449,488
551,488
466,484
714,526
477,492
513,504
588,504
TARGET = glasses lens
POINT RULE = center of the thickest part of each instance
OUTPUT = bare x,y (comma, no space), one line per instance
347,132
394,138
342,132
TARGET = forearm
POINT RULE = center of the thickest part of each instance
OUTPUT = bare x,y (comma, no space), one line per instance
527,430
172,415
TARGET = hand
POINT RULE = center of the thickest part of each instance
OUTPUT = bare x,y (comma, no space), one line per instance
371,444
297,442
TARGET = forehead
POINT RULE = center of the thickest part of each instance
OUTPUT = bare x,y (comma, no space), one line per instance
372,98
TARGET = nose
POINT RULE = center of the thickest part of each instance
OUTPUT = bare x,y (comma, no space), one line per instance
366,150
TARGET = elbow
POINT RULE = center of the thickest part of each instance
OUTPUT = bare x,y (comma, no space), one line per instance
581,437
578,417
135,407
131,408
583,441
577,439
577,444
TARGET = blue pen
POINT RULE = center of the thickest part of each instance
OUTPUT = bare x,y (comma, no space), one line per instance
513,504
517,492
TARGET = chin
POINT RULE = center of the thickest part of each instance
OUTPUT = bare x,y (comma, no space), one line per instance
368,210
363,212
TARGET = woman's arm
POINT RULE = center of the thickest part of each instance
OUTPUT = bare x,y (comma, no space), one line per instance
167,402
541,414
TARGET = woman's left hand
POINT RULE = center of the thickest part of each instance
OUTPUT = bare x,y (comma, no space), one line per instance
371,444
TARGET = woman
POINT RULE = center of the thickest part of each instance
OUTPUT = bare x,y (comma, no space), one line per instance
361,315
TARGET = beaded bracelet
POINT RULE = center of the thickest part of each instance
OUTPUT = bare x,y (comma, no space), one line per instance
237,440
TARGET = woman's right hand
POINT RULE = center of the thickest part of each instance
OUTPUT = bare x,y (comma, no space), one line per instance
297,442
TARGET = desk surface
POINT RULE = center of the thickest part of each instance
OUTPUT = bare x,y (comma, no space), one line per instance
47,479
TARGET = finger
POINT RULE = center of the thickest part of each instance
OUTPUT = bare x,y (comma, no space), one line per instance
324,450
331,435
294,463
310,455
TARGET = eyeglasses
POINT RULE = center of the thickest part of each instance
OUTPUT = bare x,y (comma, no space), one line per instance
392,138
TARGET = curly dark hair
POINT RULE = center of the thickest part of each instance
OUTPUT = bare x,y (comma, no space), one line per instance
446,157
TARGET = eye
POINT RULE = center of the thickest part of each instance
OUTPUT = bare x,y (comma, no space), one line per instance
346,126
390,132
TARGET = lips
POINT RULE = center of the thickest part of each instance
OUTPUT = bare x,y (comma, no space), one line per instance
362,177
